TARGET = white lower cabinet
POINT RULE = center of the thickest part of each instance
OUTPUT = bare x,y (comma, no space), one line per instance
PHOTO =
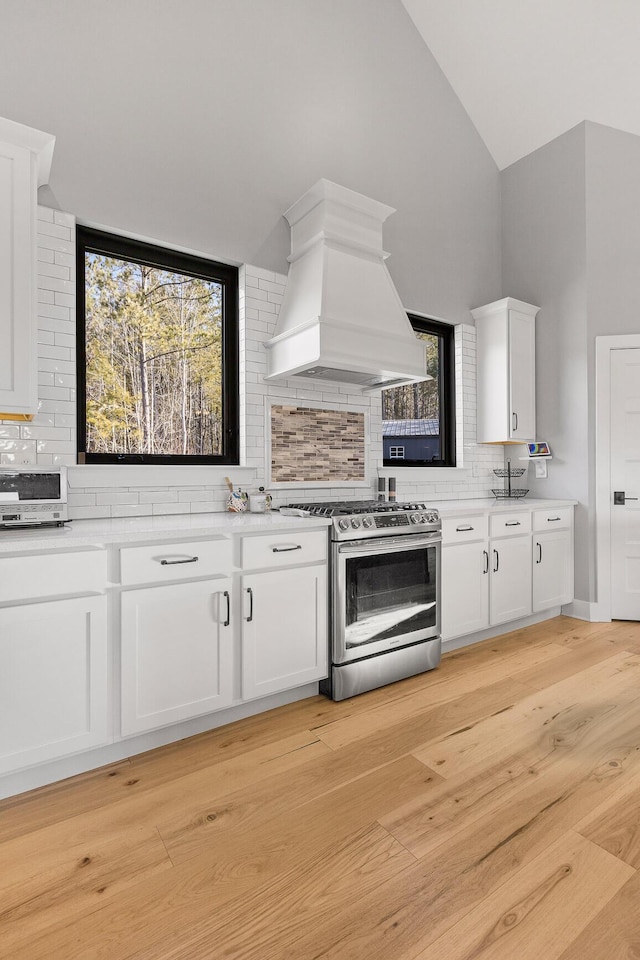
485,584
552,569
53,680
284,629
510,563
176,653
465,588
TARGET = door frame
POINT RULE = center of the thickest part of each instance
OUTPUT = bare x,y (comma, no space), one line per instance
604,347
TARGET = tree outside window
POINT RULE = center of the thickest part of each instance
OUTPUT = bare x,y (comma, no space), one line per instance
419,418
159,354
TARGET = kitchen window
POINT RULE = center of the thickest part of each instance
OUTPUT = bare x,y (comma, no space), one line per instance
157,354
419,418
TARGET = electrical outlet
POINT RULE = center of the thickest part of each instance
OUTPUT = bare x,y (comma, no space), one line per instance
541,469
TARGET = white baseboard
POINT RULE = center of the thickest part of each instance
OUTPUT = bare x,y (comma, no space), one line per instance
456,642
586,610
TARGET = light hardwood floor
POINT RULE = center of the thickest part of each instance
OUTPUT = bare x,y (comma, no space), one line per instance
488,810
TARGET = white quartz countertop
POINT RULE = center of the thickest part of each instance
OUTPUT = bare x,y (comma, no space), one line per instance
97,533
82,533
459,508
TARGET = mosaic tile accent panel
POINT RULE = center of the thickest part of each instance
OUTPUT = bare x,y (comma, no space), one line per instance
311,445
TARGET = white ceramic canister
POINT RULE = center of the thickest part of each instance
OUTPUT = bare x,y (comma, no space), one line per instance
259,501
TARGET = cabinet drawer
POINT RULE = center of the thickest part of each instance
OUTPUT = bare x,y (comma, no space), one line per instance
175,561
52,574
284,549
510,524
556,518
464,529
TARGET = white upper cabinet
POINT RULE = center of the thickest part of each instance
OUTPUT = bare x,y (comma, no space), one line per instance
506,371
25,161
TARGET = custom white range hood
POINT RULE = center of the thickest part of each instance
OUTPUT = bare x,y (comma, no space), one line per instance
341,318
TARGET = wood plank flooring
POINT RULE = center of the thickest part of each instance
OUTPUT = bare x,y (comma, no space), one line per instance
488,810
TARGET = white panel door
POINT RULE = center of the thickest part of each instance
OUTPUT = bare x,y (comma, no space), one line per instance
625,479
176,653
53,680
522,376
552,569
465,588
284,629
510,579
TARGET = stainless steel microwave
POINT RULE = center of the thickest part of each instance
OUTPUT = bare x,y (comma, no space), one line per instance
33,495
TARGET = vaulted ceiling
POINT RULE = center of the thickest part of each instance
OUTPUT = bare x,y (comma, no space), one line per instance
528,70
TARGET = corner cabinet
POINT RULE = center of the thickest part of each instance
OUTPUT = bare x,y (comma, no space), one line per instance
25,161
505,365
552,558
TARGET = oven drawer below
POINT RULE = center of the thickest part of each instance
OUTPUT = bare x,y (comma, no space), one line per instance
349,679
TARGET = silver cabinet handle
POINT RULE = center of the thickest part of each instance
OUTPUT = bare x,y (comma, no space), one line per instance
286,549
539,546
552,519
514,421
171,563
464,529
485,554
250,592
228,620
512,523
497,556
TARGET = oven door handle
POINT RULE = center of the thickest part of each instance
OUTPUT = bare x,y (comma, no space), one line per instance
378,545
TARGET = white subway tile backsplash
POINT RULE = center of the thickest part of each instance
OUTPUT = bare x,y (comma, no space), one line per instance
260,299
47,229
54,393
64,299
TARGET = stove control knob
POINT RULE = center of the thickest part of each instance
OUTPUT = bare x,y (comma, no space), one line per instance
343,524
355,523
415,518
432,517
424,518
367,522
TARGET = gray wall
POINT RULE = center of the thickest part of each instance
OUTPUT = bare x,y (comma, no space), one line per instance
198,123
571,243
544,262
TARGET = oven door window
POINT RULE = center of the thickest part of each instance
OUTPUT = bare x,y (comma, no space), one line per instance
389,595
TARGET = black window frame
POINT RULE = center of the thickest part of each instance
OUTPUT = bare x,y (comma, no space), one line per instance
106,244
447,393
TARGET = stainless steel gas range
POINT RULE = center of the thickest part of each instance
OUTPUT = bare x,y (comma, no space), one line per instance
384,593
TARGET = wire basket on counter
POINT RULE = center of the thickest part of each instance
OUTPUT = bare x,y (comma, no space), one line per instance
509,492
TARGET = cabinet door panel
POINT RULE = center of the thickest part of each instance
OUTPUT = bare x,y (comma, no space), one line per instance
176,653
552,569
522,376
17,286
53,680
510,579
465,589
284,644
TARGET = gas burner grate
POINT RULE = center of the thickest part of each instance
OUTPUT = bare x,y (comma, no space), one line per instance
351,507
